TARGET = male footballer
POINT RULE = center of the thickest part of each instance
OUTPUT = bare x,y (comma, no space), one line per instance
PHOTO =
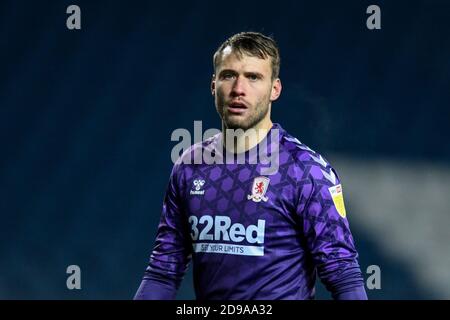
252,232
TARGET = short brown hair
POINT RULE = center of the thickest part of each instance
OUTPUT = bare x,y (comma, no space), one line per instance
254,44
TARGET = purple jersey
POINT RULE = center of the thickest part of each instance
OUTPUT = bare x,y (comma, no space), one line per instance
251,235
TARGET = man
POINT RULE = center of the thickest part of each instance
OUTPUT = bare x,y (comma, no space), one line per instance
252,233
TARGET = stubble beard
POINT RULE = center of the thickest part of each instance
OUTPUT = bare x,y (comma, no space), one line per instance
234,122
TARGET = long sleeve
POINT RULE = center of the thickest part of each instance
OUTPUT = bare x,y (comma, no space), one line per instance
327,233
172,250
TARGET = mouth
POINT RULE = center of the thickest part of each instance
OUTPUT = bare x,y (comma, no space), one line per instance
236,107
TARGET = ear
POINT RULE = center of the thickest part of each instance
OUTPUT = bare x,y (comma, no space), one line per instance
276,89
213,85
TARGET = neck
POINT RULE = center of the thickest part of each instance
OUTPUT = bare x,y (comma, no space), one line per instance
239,140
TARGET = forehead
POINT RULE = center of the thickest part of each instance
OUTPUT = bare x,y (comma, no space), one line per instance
244,62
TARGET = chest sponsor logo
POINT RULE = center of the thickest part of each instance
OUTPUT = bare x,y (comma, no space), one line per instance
210,233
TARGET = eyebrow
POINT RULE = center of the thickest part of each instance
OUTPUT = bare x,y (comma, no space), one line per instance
247,73
258,74
227,71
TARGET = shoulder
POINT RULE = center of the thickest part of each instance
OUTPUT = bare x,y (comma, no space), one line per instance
193,154
184,166
308,163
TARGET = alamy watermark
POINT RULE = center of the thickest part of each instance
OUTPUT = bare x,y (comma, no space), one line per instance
373,282
74,280
373,22
265,153
73,22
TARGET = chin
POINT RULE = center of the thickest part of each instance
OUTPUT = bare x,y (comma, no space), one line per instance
233,122
244,125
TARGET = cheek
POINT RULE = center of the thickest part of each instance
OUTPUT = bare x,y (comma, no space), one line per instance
219,99
221,92
223,86
264,93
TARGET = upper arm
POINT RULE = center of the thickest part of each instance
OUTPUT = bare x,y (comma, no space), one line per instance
172,250
325,227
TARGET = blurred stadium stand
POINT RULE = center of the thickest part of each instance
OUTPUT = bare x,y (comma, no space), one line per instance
86,118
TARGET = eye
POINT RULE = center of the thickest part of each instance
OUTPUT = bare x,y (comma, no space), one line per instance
227,76
253,77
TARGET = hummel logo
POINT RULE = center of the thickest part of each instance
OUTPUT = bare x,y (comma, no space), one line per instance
198,185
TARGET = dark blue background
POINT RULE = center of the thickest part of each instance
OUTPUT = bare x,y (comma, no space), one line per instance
86,118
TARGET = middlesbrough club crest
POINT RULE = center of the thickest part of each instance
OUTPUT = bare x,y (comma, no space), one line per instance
259,189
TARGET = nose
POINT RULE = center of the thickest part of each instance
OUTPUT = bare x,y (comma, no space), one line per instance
238,88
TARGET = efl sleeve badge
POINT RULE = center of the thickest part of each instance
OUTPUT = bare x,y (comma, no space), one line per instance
338,199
